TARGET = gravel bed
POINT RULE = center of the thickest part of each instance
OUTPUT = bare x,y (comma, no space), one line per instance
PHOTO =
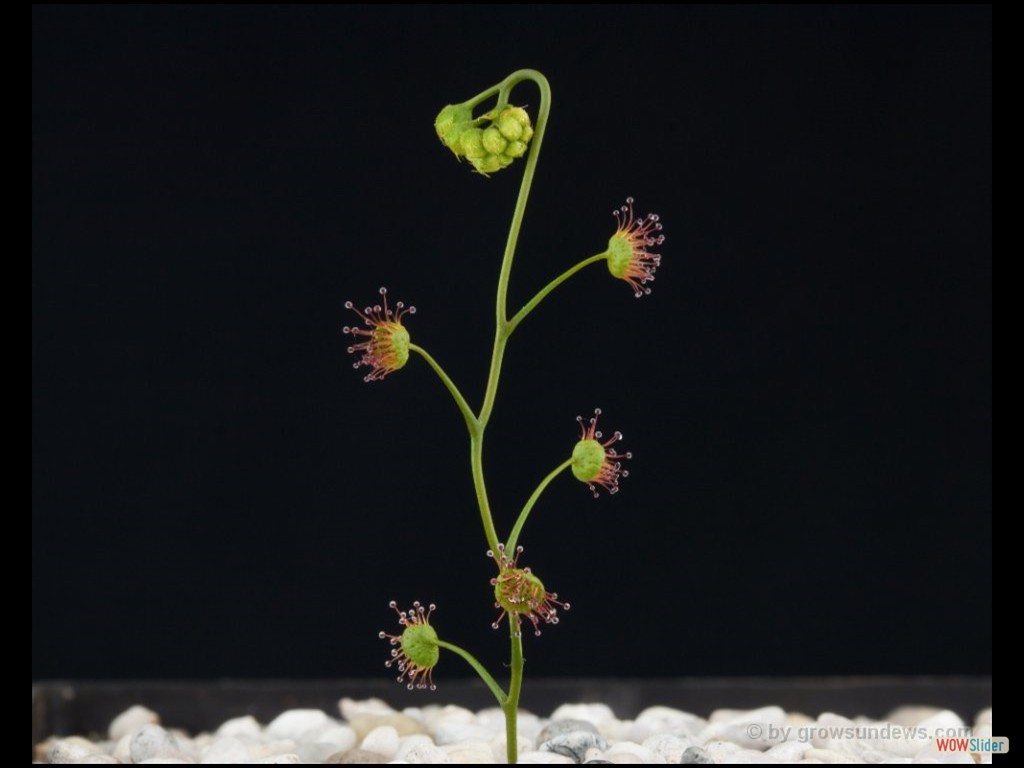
370,731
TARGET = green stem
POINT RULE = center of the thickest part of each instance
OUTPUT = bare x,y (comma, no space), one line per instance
513,537
501,331
476,448
467,412
479,668
532,303
515,685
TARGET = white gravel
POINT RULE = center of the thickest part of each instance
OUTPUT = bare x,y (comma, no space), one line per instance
370,731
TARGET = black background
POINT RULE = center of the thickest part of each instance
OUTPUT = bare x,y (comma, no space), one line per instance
807,392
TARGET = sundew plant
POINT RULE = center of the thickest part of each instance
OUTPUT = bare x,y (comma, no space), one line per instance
491,141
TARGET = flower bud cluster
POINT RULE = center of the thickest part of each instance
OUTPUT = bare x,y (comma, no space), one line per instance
490,142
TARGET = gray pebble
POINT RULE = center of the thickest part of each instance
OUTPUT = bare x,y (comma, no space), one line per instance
574,744
246,726
427,753
70,750
558,727
315,753
297,723
152,741
695,756
225,750
131,719
356,757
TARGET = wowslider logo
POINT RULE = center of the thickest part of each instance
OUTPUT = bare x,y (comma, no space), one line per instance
996,745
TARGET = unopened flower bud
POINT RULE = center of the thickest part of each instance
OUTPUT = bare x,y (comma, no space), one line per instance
514,123
493,141
515,148
450,124
471,144
510,128
487,164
